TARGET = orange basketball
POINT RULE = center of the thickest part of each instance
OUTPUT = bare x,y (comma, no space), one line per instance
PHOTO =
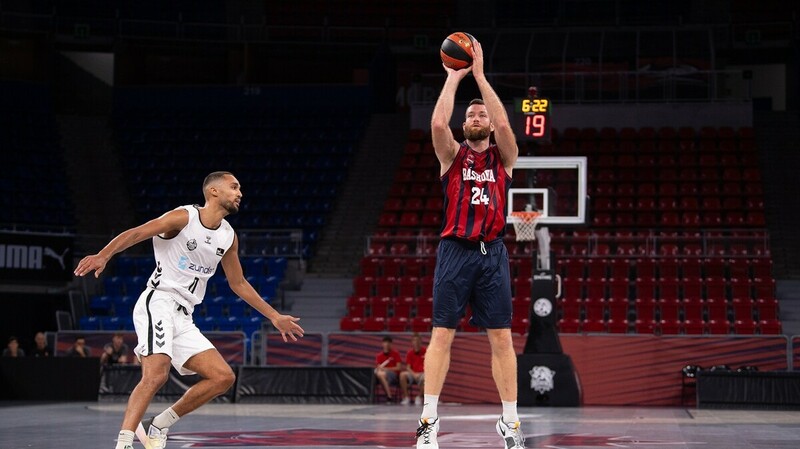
456,51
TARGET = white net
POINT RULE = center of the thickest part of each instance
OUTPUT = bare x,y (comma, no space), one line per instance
525,223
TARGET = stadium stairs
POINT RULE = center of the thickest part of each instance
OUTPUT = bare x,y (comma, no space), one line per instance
321,303
358,207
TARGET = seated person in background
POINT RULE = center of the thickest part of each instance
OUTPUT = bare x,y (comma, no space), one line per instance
79,348
12,348
115,352
40,349
415,365
389,364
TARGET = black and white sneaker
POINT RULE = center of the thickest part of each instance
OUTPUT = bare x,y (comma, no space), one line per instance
151,436
511,433
426,434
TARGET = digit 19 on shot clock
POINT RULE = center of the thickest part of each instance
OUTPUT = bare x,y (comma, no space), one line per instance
533,118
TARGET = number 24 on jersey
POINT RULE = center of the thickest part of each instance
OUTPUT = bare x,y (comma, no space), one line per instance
479,196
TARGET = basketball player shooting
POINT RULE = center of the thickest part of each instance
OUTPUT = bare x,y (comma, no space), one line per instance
472,261
189,243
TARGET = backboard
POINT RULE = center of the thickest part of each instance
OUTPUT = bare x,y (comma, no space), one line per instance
556,186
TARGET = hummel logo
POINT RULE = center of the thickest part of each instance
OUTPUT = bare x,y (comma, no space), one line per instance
160,336
156,276
159,343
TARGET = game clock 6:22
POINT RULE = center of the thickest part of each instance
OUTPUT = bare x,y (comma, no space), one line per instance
532,118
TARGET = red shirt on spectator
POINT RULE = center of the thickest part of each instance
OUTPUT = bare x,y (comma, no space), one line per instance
393,358
416,360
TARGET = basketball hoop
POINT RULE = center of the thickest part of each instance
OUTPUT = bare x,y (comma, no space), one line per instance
525,223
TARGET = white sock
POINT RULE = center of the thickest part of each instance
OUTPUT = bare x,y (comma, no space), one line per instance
510,412
429,408
124,439
166,419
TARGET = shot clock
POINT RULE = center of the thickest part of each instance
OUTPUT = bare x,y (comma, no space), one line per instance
532,118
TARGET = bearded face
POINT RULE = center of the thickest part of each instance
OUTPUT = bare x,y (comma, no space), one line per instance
477,132
477,125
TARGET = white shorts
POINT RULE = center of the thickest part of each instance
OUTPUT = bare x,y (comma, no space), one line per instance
164,327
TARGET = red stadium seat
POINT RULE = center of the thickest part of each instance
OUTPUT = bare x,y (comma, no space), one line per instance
426,285
764,288
692,309
668,268
646,268
670,327
694,327
645,309
743,308
617,326
617,308
645,288
402,306
357,306
715,288
351,323
770,327
593,325
596,269
596,288
569,325
745,327
522,286
421,324
691,268
647,326
762,268
407,286
619,269
521,305
371,266
668,287
594,307
718,327
570,308
618,288
374,324
379,306
669,308
767,308
385,286
397,324
572,288
740,288
519,325
364,285
717,309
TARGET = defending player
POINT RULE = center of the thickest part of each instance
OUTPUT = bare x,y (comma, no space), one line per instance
472,261
189,243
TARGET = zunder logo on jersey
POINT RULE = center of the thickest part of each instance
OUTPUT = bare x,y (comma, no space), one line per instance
185,264
467,174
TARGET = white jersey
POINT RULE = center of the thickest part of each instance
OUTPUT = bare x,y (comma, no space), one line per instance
184,263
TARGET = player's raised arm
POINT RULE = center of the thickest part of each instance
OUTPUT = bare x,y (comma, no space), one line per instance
286,324
503,134
443,142
171,221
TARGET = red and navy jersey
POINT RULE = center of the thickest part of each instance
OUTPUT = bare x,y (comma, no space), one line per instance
475,193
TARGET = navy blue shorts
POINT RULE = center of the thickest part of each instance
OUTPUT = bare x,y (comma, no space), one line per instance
464,275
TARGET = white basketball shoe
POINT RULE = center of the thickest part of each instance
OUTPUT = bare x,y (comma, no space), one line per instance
511,434
151,436
427,433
